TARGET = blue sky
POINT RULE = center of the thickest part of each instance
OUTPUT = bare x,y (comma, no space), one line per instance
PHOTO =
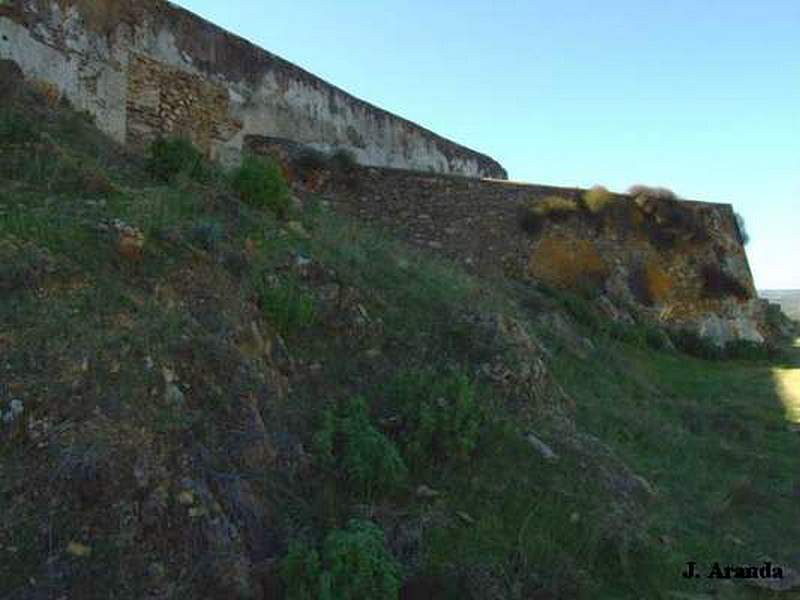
701,96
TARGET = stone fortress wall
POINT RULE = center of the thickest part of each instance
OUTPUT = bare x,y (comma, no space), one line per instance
477,223
144,67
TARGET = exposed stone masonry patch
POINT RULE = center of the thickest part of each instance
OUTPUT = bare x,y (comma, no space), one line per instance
164,100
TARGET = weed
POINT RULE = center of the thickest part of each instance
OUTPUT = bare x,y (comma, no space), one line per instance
347,443
359,565
287,305
170,157
442,419
260,183
355,565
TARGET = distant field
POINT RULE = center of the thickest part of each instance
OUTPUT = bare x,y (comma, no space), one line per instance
788,299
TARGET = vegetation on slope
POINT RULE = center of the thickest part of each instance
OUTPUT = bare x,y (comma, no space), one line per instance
207,392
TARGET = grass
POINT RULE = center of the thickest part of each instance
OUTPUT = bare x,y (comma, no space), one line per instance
711,437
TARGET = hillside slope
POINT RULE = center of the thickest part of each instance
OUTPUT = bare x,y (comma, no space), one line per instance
201,399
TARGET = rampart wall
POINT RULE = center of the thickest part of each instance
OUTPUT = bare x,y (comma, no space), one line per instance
479,223
145,67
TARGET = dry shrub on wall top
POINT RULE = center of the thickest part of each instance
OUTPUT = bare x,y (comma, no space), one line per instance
655,193
666,221
554,207
534,213
597,199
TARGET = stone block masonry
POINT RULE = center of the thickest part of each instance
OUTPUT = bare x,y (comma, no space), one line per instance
166,100
477,224
144,67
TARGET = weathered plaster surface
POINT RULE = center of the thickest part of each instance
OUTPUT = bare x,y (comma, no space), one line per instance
87,49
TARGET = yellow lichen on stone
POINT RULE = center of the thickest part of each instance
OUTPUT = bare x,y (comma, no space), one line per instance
659,283
565,262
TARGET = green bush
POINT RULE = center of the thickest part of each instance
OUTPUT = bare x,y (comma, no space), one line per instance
441,416
301,572
260,183
356,565
348,444
167,158
287,305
